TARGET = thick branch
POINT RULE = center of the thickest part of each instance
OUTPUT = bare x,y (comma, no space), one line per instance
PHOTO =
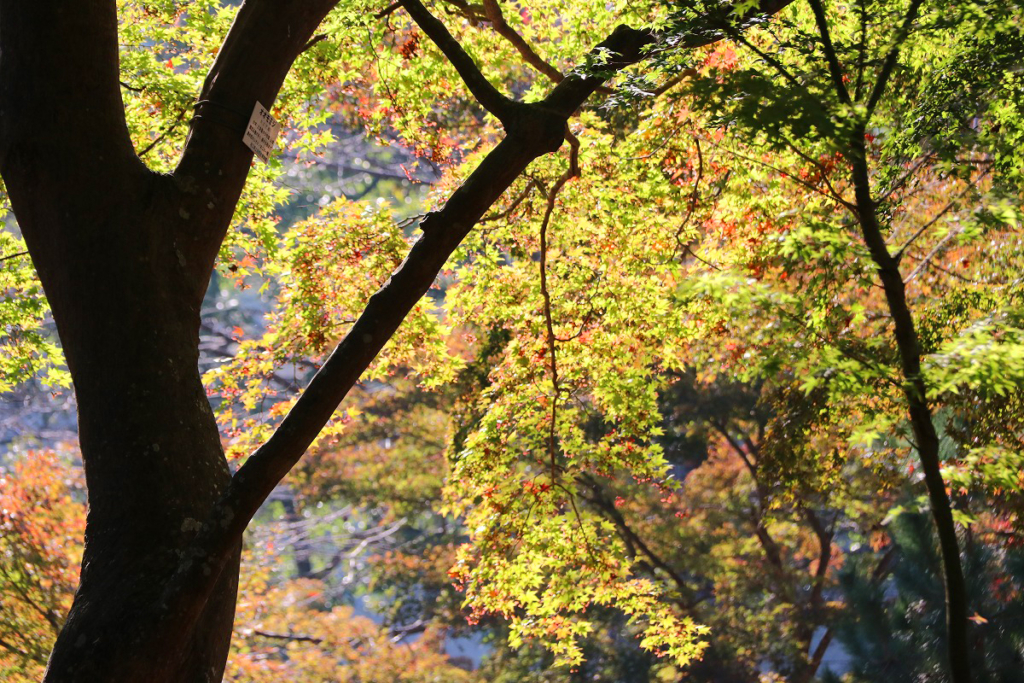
62,123
61,101
261,46
627,46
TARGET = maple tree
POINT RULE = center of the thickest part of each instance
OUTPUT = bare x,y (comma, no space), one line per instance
738,226
124,251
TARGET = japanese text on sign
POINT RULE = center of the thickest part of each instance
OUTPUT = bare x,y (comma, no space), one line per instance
261,132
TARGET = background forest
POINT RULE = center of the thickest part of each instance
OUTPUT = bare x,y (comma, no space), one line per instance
689,403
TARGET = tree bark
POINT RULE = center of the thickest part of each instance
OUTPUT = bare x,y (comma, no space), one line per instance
125,255
919,412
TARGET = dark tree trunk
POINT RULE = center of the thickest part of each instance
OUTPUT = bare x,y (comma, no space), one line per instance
99,226
127,311
920,415
128,315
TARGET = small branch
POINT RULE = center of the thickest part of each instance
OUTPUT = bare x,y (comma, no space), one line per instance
890,59
163,136
722,429
600,500
530,186
288,636
862,44
8,257
767,58
397,633
940,214
571,172
906,176
486,94
884,566
870,364
390,9
674,81
822,171
835,71
926,261
688,249
313,41
22,653
628,46
694,196
501,27
819,652
795,179
825,537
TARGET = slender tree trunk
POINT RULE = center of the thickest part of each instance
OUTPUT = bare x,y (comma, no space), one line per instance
920,414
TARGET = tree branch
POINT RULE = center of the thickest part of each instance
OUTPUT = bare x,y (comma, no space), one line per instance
497,19
834,70
259,50
607,507
62,123
571,172
8,257
486,94
890,59
288,636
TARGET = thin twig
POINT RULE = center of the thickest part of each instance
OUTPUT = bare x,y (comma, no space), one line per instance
571,172
694,196
792,177
952,202
390,9
906,176
931,254
821,170
14,255
163,136
530,186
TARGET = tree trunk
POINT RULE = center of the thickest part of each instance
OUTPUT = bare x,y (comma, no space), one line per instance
920,415
101,229
127,311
